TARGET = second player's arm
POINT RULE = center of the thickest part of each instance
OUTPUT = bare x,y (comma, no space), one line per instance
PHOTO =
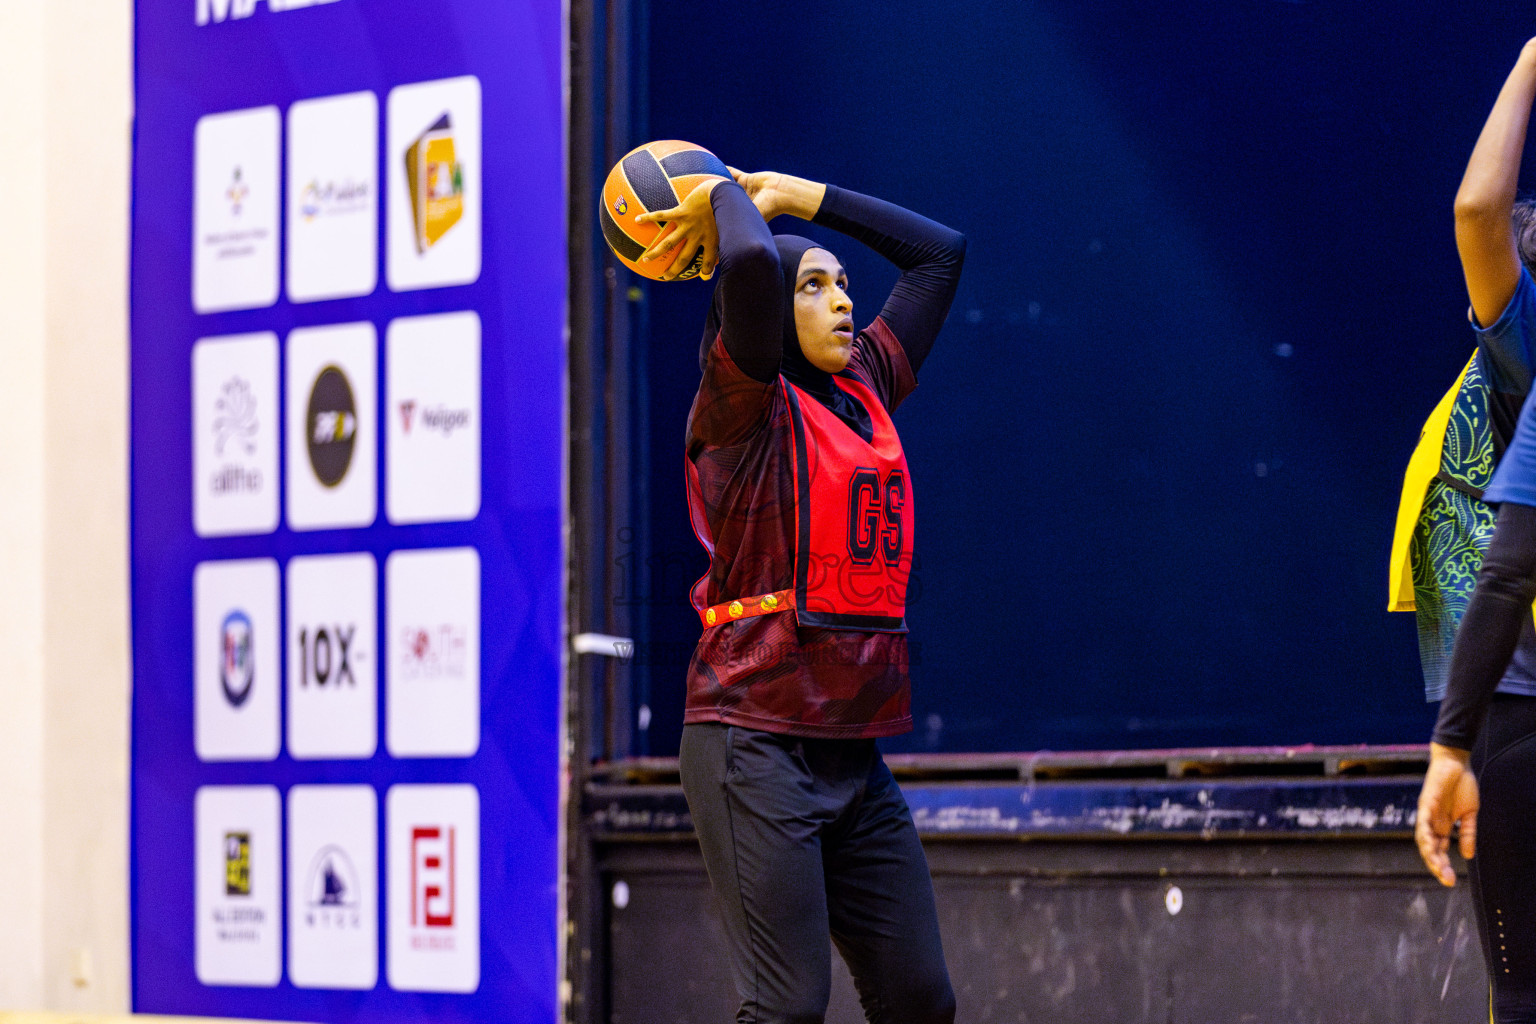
1485,238
1490,630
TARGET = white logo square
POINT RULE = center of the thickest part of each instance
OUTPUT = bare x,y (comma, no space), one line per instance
432,640
333,197
434,888
239,660
234,210
332,656
434,183
239,846
332,426
432,383
333,887
234,435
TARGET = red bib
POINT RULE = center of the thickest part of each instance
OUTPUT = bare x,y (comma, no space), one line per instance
853,507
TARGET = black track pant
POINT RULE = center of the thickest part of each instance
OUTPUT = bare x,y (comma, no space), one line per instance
804,838
1504,867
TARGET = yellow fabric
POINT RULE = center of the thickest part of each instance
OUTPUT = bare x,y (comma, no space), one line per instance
1422,468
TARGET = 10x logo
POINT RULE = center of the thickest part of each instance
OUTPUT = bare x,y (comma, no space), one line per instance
325,656
332,645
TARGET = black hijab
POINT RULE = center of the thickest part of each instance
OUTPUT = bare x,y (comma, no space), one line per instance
792,362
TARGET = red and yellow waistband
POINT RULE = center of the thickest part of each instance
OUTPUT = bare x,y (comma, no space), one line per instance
747,607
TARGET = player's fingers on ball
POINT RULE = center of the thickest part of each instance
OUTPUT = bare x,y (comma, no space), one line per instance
658,216
677,243
711,255
663,242
681,239
738,176
683,257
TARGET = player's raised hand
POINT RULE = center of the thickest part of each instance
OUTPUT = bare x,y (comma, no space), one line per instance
774,193
1449,795
762,187
689,225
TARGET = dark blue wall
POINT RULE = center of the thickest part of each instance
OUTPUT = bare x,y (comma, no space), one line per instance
1210,296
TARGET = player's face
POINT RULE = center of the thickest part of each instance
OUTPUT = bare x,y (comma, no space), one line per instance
823,311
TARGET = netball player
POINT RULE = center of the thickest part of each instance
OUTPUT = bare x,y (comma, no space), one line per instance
1485,736
798,489
1443,524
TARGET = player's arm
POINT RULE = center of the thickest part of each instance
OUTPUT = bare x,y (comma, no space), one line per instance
1485,237
719,216
928,254
735,392
1486,640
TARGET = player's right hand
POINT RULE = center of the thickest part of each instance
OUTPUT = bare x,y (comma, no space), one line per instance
1449,796
688,225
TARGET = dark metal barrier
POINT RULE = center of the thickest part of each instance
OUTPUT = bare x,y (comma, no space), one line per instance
1180,885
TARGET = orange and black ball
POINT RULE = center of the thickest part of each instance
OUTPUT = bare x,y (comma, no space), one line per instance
655,176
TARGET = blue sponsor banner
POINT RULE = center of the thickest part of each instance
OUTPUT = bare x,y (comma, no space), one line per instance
348,288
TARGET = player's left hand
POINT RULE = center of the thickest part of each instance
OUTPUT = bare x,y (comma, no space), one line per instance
689,225
775,193
1449,795
762,187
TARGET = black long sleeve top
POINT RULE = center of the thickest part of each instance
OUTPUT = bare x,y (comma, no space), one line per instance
1497,612
928,254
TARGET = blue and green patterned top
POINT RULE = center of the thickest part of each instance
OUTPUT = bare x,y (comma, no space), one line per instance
1455,525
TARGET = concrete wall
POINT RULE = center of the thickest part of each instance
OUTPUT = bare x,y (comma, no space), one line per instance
65,135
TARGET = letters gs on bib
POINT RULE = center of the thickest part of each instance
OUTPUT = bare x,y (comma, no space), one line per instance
874,516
